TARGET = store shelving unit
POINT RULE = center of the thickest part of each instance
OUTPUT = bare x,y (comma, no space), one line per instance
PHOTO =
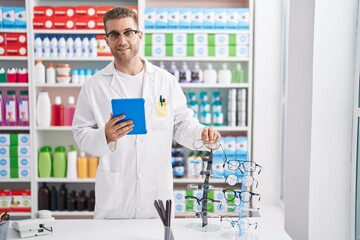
55,136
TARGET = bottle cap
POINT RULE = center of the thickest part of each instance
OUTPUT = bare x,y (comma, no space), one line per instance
71,100
24,92
57,100
11,92
82,154
51,65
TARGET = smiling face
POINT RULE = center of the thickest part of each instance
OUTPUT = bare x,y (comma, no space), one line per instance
125,47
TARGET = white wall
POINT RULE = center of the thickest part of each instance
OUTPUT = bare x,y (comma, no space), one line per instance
267,79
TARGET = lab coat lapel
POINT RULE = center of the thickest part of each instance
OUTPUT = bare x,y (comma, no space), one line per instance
148,91
118,86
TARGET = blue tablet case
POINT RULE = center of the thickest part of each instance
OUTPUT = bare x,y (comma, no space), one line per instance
134,110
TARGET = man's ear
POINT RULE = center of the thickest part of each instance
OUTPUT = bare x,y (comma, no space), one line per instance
106,40
140,35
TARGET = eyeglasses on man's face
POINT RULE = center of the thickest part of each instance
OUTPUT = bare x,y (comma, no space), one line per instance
128,34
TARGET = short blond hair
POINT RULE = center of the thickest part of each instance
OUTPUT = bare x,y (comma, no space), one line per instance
118,13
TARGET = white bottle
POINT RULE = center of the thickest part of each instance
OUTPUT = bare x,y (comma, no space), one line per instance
43,109
197,74
54,51
88,74
62,46
38,46
77,46
162,65
93,46
210,75
46,46
174,71
85,46
81,76
184,74
39,72
224,75
75,76
50,74
71,163
69,47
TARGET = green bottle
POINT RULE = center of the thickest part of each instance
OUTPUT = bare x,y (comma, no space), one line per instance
238,75
44,162
59,166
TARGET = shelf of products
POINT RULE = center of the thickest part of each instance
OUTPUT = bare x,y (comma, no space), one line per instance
55,136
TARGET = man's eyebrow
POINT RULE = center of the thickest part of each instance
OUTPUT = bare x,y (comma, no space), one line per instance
126,29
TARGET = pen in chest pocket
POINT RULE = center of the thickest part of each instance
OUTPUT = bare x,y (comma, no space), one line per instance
162,101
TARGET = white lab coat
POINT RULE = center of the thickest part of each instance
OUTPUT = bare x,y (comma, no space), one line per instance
139,170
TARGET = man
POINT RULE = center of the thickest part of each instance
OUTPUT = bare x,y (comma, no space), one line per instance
134,170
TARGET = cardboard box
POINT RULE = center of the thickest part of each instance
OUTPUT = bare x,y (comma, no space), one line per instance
43,23
20,17
85,23
150,18
8,17
64,23
5,199
16,50
20,200
43,12
16,39
64,11
85,11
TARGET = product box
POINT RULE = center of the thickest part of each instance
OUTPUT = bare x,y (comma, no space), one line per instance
179,195
244,18
3,39
43,11
20,17
200,39
4,173
242,51
180,39
99,23
180,207
232,18
64,23
1,18
101,10
2,51
14,139
5,198
209,18
150,18
221,51
229,145
241,146
196,18
4,162
64,11
200,51
15,151
220,18
179,50
161,18
8,17
158,39
22,173
221,39
43,23
185,18
158,51
102,48
20,200
16,39
173,18
85,11
242,38
23,162
16,51
85,23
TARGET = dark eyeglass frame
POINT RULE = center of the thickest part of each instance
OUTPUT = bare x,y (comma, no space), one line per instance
242,165
238,195
199,201
114,35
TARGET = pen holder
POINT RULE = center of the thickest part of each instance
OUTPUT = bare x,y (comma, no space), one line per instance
4,227
167,234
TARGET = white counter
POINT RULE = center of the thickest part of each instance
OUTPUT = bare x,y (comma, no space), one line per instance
270,228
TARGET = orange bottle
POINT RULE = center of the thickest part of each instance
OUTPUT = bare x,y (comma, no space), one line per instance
93,164
82,166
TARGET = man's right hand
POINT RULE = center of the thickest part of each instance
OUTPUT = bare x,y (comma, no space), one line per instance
114,130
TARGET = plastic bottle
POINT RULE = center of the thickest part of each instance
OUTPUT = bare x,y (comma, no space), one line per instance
53,199
23,108
59,166
210,75
174,71
46,46
162,65
197,74
81,202
82,166
11,111
74,76
38,46
224,75
71,202
93,163
54,49
2,75
69,47
2,111
44,162
62,46
77,46
184,74
43,109
57,112
72,163
39,72
44,197
81,76
93,46
62,198
85,46
11,75
91,201
69,111
238,75
50,74
22,75
179,169
88,74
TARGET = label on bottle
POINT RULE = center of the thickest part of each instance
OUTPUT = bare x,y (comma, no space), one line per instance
23,110
10,114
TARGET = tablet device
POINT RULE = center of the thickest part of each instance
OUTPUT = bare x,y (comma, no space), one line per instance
134,109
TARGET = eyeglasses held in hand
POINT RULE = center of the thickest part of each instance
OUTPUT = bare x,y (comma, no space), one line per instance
206,203
242,223
128,34
247,180
243,166
211,145
245,196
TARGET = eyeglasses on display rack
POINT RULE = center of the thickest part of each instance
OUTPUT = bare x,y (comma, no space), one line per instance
243,166
128,34
246,181
192,215
244,196
242,223
206,203
201,186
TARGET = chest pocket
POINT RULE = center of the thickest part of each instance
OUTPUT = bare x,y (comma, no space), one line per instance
161,117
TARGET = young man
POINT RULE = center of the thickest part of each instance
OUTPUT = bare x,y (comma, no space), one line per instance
134,170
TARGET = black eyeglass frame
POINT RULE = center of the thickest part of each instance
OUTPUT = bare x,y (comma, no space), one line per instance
117,34
237,194
243,164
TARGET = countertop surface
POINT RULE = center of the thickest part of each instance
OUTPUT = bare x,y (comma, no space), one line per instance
270,227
